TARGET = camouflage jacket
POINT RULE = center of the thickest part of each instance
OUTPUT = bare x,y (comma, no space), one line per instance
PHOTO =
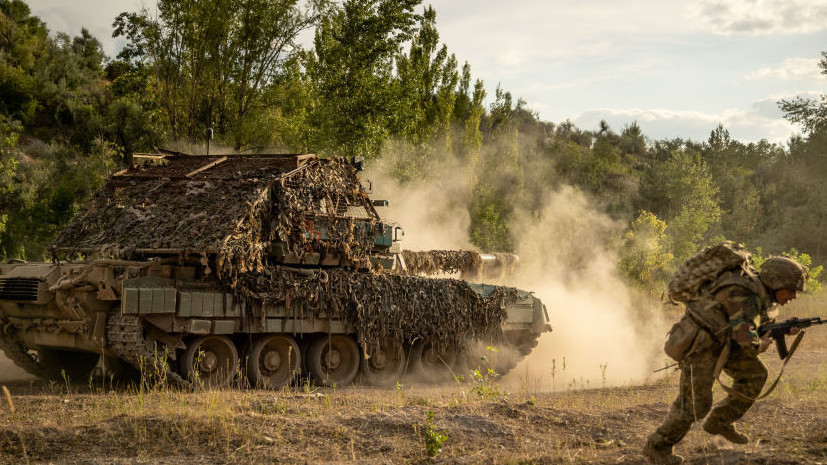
734,306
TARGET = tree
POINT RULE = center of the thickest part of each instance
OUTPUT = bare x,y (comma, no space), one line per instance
427,78
811,114
23,39
632,140
55,138
9,134
351,70
424,88
211,60
644,251
692,201
468,112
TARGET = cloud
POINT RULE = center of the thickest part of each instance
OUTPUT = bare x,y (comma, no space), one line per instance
511,57
791,68
763,120
758,17
550,30
94,15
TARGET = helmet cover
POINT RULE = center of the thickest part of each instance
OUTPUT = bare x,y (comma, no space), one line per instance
783,273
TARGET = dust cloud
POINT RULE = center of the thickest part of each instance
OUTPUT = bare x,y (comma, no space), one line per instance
603,333
434,214
10,372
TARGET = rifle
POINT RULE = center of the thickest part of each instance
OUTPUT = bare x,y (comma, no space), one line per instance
779,330
666,367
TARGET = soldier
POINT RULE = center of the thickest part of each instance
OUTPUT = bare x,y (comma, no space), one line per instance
732,306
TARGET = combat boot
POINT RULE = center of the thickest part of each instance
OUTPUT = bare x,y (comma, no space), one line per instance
727,432
660,454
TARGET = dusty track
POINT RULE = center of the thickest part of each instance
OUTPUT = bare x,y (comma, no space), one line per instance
97,424
101,423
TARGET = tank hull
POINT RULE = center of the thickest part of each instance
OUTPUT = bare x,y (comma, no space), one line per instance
146,315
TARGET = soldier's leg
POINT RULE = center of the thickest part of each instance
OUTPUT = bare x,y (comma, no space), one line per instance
749,375
693,402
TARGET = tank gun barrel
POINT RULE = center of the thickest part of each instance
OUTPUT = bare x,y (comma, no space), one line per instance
469,264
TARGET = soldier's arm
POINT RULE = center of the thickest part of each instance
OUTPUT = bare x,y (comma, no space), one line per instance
741,306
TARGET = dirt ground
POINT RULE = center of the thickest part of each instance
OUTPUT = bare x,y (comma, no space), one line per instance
470,421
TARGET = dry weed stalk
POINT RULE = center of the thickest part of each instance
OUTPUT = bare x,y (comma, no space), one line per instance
7,395
10,403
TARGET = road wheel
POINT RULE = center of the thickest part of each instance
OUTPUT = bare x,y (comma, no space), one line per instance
432,362
210,360
333,359
384,364
273,361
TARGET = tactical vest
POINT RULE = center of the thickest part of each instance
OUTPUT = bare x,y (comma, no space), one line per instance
708,313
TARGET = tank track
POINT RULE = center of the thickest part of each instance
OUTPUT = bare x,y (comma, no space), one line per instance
125,335
20,356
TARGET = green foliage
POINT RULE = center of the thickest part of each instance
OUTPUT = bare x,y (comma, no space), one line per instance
47,194
52,91
685,196
9,135
208,62
644,251
355,100
484,379
811,114
632,141
490,214
23,39
427,78
434,439
377,83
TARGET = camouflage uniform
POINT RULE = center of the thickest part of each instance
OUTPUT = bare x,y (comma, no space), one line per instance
729,309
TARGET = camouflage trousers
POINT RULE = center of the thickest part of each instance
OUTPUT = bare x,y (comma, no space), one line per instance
694,399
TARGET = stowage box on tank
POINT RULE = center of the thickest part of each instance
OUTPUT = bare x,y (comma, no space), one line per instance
264,265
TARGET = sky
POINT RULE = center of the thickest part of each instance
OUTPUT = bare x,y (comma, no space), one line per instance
676,68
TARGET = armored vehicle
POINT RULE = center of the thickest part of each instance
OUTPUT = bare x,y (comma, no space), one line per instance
258,268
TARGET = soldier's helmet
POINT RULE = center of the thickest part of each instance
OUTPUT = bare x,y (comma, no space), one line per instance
783,273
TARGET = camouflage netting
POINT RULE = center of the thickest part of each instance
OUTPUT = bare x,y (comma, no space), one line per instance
234,207
234,211
442,261
383,306
467,263
330,200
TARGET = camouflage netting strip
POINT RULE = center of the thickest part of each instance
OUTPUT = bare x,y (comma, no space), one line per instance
507,262
293,215
442,261
163,214
469,264
332,183
383,306
236,217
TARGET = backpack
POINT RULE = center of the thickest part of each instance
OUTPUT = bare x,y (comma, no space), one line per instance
704,267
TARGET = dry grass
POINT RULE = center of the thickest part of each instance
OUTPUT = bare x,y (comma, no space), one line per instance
100,423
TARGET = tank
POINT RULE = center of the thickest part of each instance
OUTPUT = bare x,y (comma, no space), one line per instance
254,270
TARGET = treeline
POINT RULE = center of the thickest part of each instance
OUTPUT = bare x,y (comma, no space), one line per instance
377,83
